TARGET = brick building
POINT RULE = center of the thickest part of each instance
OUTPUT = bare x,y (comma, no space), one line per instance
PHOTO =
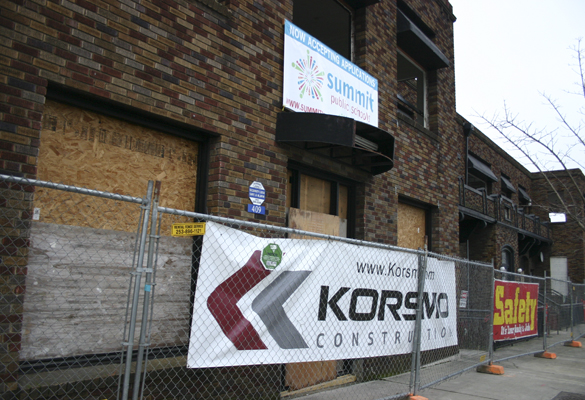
111,94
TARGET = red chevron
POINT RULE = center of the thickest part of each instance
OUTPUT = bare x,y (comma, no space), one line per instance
222,304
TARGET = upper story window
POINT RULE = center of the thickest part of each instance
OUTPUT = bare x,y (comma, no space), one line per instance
330,21
507,188
412,90
417,56
524,199
480,175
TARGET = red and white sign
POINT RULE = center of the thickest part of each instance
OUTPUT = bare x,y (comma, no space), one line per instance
515,310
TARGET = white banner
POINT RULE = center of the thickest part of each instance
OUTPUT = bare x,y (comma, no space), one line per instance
267,301
318,80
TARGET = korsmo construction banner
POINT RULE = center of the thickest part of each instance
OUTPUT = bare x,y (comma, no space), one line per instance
515,310
318,80
266,301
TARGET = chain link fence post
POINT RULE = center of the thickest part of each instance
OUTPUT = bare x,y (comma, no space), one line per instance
416,345
491,314
545,315
129,343
148,294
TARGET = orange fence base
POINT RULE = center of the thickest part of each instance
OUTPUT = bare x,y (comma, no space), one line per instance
573,343
546,354
413,397
491,369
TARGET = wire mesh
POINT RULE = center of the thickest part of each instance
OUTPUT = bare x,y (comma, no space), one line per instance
77,252
248,311
473,288
578,293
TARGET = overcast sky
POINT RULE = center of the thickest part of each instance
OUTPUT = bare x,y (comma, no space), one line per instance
511,51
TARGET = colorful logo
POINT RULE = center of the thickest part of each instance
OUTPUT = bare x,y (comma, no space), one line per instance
310,79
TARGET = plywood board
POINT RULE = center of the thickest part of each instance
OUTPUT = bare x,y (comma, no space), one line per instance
411,226
313,222
301,375
83,148
315,194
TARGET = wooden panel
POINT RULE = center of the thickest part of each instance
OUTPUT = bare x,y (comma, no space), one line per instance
313,222
77,289
411,226
83,148
301,375
315,194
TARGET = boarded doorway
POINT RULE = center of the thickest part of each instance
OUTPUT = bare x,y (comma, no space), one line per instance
317,200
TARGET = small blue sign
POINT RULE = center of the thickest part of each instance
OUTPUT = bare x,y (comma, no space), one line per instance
256,209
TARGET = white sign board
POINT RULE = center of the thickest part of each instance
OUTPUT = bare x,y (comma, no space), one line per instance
257,193
265,301
318,80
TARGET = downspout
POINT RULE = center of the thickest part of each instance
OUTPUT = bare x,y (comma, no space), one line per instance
468,128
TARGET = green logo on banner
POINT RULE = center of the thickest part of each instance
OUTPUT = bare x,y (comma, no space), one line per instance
271,256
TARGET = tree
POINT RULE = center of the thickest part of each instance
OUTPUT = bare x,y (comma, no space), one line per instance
543,148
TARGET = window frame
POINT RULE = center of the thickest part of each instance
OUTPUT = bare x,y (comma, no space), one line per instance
295,196
306,27
421,118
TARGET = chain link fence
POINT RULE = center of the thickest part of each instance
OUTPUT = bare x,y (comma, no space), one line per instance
125,299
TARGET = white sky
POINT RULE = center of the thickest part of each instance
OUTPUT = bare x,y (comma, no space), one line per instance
511,51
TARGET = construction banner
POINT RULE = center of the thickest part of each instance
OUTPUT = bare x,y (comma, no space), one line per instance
269,301
515,310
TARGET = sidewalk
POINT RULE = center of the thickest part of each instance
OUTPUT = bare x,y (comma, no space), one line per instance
525,377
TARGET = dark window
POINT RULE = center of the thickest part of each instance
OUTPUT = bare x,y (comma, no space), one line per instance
329,21
507,188
412,90
418,58
524,199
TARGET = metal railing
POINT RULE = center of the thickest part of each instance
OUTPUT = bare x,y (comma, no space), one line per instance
501,209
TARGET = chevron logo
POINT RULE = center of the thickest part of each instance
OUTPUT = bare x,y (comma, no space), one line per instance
222,303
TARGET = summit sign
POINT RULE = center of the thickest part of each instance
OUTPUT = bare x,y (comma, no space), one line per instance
318,80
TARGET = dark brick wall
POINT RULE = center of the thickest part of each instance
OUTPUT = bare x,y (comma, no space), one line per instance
218,68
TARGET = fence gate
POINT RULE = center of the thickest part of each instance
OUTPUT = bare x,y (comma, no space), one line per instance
79,248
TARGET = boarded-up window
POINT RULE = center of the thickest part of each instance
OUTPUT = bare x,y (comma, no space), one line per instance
83,148
81,253
411,226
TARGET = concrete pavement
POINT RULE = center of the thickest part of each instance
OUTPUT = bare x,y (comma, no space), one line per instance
525,377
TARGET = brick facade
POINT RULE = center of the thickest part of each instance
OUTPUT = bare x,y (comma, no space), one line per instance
216,68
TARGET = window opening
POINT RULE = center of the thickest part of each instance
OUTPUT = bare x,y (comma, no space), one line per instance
507,188
412,90
330,21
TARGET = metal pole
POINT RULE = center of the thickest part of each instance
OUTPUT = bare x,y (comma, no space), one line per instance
572,310
416,345
545,316
491,334
129,297
136,298
147,292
